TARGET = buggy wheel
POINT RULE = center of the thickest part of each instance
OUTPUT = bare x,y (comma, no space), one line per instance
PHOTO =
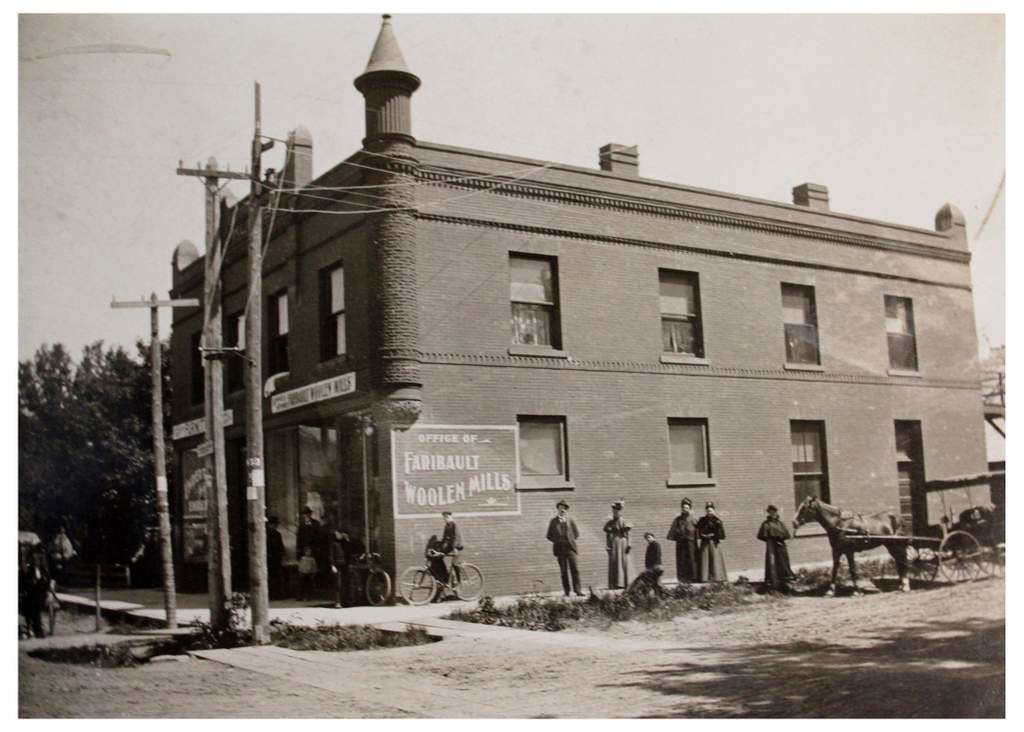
960,557
378,587
469,581
922,563
417,585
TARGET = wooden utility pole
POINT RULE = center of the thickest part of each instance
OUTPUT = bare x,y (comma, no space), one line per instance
218,539
255,490
159,462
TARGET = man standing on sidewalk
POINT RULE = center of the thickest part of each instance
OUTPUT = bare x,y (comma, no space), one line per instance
562,533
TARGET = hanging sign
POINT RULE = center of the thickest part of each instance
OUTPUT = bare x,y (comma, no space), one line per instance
198,483
196,427
318,392
469,470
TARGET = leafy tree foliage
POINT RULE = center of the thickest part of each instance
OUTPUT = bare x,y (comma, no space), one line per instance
85,447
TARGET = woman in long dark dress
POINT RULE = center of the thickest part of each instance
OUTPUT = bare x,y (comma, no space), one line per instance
616,529
774,534
711,531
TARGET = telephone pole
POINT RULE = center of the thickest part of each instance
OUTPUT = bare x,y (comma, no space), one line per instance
159,463
218,540
255,489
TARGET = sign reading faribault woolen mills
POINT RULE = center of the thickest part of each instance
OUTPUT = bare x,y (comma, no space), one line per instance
466,469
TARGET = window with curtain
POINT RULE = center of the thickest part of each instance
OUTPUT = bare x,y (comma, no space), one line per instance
534,296
810,466
899,329
800,324
679,297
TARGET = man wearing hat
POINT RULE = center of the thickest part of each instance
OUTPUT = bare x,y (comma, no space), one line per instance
562,533
684,533
773,533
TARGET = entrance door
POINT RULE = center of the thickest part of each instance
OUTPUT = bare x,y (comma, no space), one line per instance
910,476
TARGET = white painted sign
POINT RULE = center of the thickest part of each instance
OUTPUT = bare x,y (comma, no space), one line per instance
311,393
470,470
196,427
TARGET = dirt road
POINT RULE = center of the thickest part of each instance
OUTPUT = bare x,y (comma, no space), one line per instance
930,653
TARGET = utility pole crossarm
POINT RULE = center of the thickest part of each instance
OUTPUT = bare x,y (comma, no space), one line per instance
143,303
210,173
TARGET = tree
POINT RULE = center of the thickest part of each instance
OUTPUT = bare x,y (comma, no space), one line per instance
85,447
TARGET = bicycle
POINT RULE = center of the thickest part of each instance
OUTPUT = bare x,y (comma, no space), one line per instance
377,584
419,585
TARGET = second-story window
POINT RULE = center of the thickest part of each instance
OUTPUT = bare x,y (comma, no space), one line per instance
534,294
800,321
234,337
277,312
332,312
680,313
899,329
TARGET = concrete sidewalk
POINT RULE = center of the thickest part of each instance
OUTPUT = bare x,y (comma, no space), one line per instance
308,616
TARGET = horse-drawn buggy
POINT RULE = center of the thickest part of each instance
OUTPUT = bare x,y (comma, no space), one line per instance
961,538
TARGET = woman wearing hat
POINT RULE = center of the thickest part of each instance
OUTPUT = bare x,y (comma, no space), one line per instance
684,533
562,533
711,532
617,529
774,534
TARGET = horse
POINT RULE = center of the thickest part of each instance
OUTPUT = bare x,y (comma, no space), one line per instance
848,533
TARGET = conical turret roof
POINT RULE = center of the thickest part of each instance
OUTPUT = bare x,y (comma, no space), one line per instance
386,55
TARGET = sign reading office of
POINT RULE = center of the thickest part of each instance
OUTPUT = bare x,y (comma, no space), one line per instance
468,470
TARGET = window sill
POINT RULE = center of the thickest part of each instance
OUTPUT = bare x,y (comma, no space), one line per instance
681,358
545,484
904,373
541,351
803,367
690,481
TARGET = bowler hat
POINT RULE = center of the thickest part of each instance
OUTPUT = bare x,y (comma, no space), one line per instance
772,509
446,513
686,502
618,505
709,504
560,504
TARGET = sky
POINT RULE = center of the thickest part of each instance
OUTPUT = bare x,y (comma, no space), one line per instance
896,114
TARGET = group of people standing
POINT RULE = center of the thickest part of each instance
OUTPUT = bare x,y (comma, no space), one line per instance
325,555
699,556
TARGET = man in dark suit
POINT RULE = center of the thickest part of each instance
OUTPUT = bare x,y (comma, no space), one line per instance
562,533
346,551
652,560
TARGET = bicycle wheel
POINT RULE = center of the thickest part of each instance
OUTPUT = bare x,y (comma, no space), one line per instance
469,581
378,587
417,585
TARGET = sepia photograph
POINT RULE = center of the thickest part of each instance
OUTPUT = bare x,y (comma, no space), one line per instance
435,363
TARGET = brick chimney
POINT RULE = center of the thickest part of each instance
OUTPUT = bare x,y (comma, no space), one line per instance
298,170
620,159
812,195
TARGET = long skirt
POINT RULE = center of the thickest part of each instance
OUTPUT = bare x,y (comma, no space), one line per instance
620,570
712,563
777,571
686,561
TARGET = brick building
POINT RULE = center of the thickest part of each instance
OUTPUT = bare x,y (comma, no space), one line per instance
452,328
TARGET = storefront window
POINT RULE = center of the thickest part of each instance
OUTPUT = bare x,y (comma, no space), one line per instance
313,465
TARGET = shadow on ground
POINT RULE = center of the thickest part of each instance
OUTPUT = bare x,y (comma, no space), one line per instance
934,669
